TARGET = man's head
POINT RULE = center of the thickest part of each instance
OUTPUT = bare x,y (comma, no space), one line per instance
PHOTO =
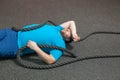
67,35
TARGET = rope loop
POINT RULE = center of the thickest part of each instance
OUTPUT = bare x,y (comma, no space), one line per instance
31,65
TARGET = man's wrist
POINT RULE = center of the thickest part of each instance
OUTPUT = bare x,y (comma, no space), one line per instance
36,49
74,34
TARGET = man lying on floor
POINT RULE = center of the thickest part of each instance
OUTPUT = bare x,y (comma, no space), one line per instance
11,41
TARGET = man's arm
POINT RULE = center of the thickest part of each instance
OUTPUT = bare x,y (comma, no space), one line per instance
70,24
49,59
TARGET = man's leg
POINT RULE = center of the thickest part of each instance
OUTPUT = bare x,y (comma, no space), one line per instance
2,34
8,43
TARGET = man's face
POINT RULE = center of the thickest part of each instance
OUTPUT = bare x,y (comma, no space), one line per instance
66,34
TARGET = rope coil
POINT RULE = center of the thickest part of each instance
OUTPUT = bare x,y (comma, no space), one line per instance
33,28
31,65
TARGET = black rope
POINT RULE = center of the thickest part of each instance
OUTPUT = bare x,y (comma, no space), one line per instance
33,28
99,32
32,65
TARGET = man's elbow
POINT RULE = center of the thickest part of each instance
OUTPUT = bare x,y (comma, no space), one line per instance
51,62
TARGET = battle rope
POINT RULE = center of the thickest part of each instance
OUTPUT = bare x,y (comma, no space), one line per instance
33,28
74,59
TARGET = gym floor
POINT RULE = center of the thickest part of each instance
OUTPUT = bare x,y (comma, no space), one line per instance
90,16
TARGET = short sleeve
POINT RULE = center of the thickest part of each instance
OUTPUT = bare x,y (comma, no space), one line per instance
56,54
59,27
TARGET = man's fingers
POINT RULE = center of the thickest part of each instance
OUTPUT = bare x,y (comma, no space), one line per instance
76,38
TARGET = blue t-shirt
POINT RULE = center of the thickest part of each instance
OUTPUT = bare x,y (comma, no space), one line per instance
47,34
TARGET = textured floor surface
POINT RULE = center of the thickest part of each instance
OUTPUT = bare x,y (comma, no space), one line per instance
90,16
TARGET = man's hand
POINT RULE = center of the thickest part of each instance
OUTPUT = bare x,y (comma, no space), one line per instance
75,37
32,45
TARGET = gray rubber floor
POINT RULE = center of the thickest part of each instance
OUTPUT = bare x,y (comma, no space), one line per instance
90,16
